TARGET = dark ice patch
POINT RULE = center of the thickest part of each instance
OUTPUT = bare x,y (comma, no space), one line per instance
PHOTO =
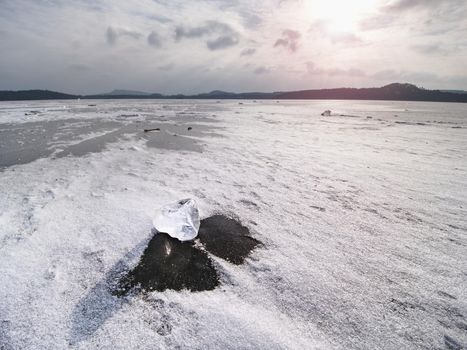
451,343
92,145
317,207
249,204
26,142
409,123
22,143
226,238
170,140
168,263
446,295
405,306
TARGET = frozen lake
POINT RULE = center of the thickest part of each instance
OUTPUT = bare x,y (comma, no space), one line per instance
362,216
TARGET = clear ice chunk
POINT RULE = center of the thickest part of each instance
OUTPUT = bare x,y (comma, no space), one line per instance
179,220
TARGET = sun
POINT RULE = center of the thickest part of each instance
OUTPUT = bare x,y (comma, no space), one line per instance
340,15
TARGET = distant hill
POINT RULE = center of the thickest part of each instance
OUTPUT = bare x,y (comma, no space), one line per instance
118,92
455,91
124,94
217,93
34,95
395,92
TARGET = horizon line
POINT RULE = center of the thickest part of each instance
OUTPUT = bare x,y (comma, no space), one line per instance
133,92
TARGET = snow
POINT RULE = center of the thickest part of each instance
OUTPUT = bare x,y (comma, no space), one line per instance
362,220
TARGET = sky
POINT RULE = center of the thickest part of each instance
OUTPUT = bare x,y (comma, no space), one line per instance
175,46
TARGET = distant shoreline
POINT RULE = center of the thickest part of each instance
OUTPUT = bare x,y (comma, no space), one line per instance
391,92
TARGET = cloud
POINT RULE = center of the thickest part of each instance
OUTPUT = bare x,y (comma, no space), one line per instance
404,5
321,28
345,37
351,72
261,70
251,20
113,34
166,67
78,67
386,74
209,27
220,35
420,78
377,22
154,39
289,40
59,37
248,52
390,75
430,49
160,19
250,13
437,10
222,42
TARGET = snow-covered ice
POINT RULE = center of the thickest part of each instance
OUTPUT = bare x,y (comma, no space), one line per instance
180,220
362,216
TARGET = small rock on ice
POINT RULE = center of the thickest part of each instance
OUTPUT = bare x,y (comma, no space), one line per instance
179,220
326,113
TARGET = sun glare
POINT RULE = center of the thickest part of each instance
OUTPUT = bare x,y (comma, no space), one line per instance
340,15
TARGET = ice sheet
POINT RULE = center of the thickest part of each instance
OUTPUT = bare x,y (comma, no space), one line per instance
362,219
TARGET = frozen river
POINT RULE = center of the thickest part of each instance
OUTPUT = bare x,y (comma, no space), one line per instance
362,216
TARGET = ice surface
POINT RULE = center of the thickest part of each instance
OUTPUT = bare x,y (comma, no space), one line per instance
167,263
180,220
226,238
362,221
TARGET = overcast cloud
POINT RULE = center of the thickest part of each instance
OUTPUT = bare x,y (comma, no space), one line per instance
86,46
